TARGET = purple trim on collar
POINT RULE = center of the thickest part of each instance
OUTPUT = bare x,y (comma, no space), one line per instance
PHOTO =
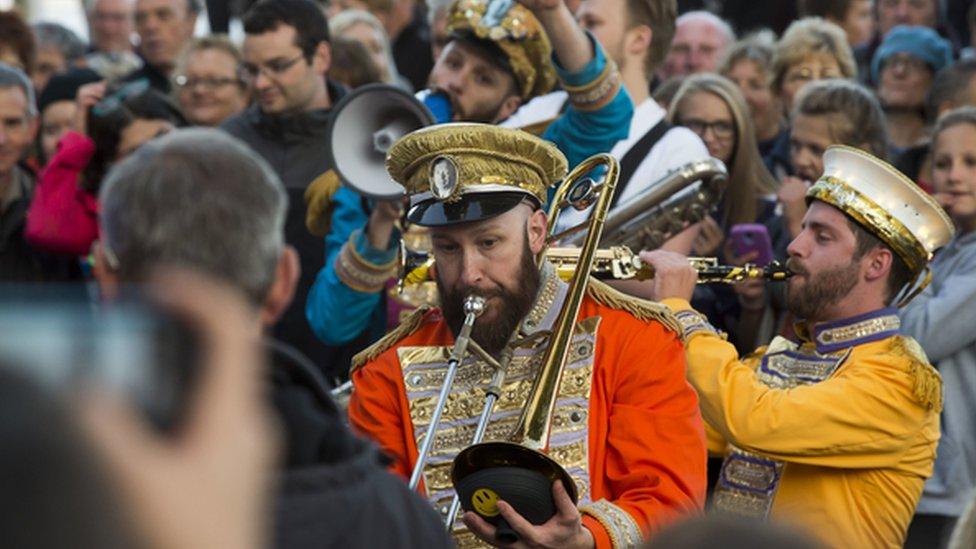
835,324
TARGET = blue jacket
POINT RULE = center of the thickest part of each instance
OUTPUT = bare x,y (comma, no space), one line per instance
338,314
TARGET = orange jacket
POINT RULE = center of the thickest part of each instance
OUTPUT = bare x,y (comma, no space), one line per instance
645,440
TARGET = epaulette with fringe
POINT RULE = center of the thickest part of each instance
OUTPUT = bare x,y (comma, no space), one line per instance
409,325
640,308
926,381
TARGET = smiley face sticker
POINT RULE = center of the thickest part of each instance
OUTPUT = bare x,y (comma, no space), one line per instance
485,502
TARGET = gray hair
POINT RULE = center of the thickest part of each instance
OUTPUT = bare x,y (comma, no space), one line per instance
89,5
12,77
196,198
53,35
348,18
707,17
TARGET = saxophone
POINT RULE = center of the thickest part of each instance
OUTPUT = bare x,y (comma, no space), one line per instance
680,198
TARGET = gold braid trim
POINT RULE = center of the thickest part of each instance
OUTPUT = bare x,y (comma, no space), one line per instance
621,527
926,381
359,273
409,325
596,94
640,308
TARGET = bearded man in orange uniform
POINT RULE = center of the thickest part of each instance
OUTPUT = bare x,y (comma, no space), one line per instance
626,425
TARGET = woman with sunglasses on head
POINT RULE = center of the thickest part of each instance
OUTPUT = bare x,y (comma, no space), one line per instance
109,125
713,107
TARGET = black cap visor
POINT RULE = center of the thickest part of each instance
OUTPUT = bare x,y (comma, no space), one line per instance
471,207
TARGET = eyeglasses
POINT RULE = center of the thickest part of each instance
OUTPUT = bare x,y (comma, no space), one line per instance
806,74
904,61
185,82
276,67
720,128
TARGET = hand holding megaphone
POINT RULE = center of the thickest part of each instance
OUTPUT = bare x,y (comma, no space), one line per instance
382,220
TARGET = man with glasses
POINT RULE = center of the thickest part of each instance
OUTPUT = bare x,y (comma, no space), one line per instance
286,56
164,27
19,262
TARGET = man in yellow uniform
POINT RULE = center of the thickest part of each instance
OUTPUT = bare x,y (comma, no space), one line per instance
835,433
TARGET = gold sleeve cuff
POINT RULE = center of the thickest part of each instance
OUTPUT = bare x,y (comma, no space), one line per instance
358,273
692,323
620,526
598,93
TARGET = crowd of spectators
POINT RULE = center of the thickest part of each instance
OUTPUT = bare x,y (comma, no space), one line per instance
101,178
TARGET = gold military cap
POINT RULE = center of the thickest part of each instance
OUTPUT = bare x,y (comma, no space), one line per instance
885,202
516,32
461,172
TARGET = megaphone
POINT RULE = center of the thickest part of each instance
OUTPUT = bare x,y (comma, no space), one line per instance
364,126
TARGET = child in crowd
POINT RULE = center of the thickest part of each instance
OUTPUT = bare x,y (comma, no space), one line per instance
941,318
63,215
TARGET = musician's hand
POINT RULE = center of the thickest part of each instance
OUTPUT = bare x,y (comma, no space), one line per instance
709,239
673,275
564,529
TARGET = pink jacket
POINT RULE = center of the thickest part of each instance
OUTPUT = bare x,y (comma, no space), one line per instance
63,217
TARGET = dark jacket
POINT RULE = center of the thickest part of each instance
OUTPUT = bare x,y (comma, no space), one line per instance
297,148
335,490
19,261
411,50
158,80
296,145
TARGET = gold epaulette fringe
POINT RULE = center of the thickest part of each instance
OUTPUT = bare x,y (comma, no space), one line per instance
409,325
926,381
640,308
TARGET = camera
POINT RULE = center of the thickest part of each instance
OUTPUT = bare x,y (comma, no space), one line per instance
64,342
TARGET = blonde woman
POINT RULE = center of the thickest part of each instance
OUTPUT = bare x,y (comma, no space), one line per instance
206,82
363,27
811,49
713,107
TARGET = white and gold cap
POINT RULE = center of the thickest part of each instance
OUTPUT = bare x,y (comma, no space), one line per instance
886,203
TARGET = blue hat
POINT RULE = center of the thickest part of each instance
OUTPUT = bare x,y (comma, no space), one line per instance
922,42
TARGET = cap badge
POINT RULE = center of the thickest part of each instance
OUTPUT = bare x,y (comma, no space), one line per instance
443,178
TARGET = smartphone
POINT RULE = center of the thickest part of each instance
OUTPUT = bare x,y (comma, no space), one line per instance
752,237
64,342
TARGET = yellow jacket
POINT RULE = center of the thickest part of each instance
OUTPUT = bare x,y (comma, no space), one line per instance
857,446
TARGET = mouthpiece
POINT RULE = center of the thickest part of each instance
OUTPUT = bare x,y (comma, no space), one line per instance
475,305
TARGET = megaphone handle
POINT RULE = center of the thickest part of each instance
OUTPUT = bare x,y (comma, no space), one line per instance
504,532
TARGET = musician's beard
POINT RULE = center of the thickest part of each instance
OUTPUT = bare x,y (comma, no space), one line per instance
495,326
818,292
